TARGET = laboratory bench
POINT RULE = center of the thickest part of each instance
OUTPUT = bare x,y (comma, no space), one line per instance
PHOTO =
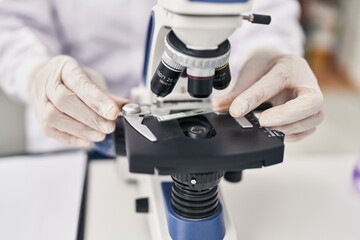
305,197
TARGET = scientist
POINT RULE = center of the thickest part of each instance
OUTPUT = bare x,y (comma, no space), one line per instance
70,61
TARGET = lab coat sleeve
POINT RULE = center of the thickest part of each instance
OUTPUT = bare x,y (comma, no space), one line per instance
27,37
283,34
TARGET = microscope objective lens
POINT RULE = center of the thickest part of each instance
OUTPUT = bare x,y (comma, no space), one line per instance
166,76
222,77
200,87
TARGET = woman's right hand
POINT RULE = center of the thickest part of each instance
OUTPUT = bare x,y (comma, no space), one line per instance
72,103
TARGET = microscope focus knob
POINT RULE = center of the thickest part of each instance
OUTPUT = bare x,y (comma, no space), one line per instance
198,181
233,177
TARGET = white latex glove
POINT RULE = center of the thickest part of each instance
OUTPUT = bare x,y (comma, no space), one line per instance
72,103
288,83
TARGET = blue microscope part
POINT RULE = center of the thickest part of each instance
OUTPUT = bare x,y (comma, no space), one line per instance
106,147
211,228
148,43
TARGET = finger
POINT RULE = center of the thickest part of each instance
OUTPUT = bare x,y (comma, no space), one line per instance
298,136
250,73
95,77
65,138
68,103
258,64
120,102
224,102
308,102
264,89
299,126
78,82
56,119
99,81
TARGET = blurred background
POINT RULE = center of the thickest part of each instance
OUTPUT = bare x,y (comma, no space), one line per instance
333,51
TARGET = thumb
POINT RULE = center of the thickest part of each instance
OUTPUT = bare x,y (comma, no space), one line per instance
254,68
96,77
120,102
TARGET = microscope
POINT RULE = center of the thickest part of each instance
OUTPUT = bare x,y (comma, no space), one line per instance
177,146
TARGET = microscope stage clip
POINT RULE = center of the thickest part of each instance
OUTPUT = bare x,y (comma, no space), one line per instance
134,115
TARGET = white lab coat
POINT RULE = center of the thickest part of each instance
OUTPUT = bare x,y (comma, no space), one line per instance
109,36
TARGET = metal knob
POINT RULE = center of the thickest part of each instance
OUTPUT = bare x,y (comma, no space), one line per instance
131,108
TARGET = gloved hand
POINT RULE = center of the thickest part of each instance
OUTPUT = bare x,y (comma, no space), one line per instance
288,83
72,103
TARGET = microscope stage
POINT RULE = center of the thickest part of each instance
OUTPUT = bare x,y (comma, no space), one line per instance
202,144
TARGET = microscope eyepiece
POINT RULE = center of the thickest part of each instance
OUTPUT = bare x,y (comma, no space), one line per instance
166,76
